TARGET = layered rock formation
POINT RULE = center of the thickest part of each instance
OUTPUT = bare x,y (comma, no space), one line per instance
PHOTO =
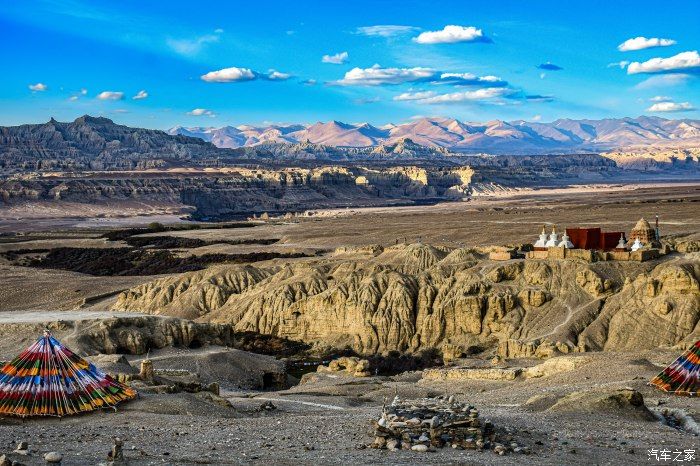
411,297
96,143
243,191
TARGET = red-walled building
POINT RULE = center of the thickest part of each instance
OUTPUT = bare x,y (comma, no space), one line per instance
593,238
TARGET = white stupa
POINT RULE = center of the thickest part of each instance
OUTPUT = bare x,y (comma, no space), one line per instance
636,245
566,242
553,239
541,243
621,244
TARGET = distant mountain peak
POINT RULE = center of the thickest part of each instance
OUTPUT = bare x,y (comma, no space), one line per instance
494,136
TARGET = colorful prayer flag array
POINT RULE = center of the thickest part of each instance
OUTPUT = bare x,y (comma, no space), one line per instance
683,376
48,379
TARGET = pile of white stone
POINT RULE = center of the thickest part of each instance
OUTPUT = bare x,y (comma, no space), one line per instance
429,423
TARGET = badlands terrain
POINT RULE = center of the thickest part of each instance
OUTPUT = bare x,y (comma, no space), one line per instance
240,266
541,347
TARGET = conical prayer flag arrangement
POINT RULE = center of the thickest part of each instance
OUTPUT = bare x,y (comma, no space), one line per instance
48,379
683,376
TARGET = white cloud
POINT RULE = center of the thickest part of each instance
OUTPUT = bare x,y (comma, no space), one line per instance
377,76
640,43
385,30
309,82
110,95
663,80
414,95
469,79
337,59
671,107
83,91
661,98
536,118
201,112
451,34
190,47
228,75
619,64
477,95
236,74
274,75
684,61
38,87
140,95
73,98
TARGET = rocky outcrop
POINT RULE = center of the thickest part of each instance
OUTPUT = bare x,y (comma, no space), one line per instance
353,366
412,297
125,335
97,143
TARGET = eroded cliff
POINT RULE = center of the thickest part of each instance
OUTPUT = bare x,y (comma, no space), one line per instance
410,297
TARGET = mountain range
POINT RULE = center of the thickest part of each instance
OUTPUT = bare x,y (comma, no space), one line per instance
514,137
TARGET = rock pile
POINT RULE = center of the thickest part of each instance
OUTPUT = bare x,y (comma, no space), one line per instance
428,423
351,365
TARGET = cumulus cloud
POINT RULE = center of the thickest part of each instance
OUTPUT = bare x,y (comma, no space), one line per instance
385,30
469,79
660,98
640,43
549,67
274,75
38,87
452,34
485,94
377,76
671,107
110,95
337,59
140,95
228,75
688,62
201,112
406,96
192,46
237,74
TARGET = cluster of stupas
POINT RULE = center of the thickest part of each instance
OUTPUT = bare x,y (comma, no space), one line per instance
552,241
641,236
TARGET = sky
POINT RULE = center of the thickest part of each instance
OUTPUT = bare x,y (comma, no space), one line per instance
160,64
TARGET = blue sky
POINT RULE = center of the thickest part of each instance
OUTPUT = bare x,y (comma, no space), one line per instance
216,63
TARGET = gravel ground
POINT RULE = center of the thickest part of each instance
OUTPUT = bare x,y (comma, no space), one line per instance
327,422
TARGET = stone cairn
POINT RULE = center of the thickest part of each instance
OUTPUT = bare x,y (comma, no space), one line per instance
429,423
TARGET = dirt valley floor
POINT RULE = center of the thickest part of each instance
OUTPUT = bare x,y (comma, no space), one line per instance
282,341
